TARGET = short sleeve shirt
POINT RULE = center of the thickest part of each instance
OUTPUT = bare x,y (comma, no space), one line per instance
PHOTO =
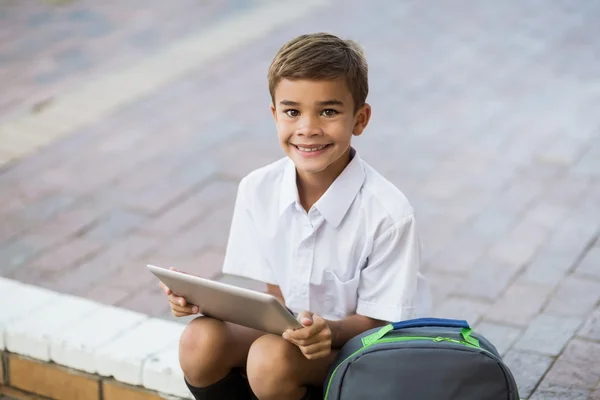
356,250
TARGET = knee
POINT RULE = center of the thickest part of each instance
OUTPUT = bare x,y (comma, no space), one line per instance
270,367
201,347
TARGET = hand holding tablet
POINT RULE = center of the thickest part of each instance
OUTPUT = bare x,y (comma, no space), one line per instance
229,303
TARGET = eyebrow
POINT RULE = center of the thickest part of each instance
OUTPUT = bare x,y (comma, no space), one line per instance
332,102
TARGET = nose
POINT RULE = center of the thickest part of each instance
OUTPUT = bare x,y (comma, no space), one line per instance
308,126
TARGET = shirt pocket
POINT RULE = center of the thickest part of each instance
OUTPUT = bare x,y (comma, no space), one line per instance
340,296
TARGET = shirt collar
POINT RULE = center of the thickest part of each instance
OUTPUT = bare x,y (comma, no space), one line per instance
336,201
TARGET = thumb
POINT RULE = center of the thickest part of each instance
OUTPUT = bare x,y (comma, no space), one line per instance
305,318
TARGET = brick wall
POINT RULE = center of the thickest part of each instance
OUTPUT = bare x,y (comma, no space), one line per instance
23,378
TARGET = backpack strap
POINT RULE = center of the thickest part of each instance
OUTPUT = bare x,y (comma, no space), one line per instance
418,323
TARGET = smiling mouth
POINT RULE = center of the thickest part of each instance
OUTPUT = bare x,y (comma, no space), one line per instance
310,149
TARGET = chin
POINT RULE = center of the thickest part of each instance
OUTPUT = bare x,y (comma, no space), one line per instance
311,168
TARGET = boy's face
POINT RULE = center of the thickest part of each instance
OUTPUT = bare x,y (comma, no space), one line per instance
315,123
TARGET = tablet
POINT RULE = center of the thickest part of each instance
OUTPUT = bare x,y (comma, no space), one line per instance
234,304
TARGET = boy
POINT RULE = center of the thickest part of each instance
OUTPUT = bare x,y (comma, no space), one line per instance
332,239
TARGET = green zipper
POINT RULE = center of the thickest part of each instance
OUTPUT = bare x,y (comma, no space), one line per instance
437,339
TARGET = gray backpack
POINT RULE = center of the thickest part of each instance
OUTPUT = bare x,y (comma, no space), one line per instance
420,359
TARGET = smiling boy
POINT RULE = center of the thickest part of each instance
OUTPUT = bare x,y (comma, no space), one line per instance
331,238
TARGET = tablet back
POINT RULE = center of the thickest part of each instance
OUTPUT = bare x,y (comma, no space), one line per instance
229,303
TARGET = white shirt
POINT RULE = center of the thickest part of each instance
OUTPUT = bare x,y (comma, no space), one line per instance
357,250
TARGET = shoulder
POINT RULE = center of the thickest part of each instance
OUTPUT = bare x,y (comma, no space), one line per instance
262,182
386,202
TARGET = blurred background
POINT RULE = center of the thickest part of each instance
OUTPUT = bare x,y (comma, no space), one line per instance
126,126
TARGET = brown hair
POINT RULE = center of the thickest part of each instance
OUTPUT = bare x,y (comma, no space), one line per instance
322,56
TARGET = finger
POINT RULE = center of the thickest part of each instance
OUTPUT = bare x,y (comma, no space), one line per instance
176,270
309,331
323,336
298,342
315,348
305,318
179,303
180,314
316,356
191,309
297,335
164,288
177,300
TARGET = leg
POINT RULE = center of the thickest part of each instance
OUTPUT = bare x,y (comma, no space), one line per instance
210,349
277,369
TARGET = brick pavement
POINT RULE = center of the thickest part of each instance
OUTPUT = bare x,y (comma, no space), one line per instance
485,115
71,41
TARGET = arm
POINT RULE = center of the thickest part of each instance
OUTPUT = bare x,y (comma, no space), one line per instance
347,328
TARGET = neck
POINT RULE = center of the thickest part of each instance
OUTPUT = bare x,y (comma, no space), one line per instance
311,186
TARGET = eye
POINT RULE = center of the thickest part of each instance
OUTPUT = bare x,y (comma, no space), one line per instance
329,112
292,113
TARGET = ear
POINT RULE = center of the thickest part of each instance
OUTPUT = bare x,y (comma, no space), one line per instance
273,111
361,119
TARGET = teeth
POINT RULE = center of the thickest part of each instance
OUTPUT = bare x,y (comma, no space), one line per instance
311,149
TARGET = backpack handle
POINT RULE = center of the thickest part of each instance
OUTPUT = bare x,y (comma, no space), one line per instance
415,323
440,322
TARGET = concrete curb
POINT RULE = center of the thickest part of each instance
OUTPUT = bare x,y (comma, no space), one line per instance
91,337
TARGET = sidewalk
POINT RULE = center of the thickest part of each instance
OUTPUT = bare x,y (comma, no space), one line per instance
484,113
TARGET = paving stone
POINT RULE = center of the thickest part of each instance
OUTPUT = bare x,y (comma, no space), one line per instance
441,285
107,295
462,308
527,369
519,246
489,279
577,231
460,255
13,225
552,392
192,209
578,365
591,328
155,197
115,225
520,304
550,265
65,256
574,297
501,336
590,264
519,194
47,207
15,254
493,224
195,171
149,300
548,334
212,231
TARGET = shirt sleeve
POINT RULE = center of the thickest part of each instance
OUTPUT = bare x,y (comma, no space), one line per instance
245,254
388,283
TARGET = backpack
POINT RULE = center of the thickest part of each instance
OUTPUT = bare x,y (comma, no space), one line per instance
420,359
